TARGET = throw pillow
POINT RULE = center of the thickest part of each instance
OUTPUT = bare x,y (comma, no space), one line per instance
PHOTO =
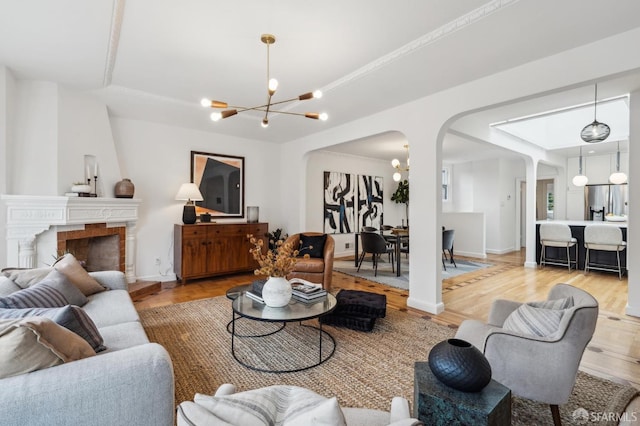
326,413
269,405
38,296
563,303
72,269
534,321
61,283
313,245
20,351
25,278
67,345
72,318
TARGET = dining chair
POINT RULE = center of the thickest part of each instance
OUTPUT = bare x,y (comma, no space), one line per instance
447,246
374,243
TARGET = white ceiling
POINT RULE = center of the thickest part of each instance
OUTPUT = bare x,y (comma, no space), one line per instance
154,60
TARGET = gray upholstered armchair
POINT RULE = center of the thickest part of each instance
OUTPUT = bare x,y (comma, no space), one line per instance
543,369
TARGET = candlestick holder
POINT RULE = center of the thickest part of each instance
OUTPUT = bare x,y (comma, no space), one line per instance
95,186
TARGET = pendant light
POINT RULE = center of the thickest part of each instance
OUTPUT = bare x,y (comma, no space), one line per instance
618,177
395,163
580,179
596,131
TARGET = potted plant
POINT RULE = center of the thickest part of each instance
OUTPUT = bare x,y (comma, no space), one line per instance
401,196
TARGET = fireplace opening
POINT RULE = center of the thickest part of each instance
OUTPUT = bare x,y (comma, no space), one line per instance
96,247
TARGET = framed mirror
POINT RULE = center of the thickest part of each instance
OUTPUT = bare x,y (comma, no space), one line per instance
220,179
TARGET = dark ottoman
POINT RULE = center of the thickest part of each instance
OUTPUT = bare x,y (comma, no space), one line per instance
357,310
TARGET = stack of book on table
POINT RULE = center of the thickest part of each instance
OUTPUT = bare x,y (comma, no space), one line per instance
308,292
255,292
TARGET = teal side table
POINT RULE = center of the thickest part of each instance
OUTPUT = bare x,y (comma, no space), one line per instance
437,404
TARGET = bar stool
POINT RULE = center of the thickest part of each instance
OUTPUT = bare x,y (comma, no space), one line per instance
557,235
605,238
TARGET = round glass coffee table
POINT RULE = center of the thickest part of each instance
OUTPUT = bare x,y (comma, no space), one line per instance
287,349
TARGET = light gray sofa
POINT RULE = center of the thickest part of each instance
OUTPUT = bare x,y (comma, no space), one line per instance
130,383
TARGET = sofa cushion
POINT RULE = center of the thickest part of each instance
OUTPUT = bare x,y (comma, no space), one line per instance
534,321
69,266
20,351
122,336
111,307
71,317
313,245
25,278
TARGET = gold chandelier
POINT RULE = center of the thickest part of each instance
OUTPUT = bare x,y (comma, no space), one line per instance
272,85
395,163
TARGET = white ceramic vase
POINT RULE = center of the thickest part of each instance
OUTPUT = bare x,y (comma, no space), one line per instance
276,292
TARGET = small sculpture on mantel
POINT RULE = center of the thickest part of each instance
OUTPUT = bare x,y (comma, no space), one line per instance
124,189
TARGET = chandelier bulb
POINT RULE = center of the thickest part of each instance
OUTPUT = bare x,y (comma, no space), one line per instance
323,116
397,176
216,116
273,86
317,94
395,163
205,102
264,123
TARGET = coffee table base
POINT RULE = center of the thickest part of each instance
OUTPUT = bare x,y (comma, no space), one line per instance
322,336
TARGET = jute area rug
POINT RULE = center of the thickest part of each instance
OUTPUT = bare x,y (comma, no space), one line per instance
367,369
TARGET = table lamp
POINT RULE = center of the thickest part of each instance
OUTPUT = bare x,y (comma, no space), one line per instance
190,193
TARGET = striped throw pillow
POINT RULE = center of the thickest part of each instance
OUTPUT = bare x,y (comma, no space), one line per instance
563,303
38,296
534,321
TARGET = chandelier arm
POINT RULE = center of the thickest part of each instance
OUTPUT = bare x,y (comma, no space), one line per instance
595,104
289,112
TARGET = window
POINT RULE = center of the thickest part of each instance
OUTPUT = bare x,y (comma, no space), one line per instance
446,193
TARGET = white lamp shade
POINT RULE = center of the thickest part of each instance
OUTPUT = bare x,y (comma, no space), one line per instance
189,191
618,178
580,180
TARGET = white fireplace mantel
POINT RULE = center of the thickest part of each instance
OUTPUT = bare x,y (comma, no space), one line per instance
28,216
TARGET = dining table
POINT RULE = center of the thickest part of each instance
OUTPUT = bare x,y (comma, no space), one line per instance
397,237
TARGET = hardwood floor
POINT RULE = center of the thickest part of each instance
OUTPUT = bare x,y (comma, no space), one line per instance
613,353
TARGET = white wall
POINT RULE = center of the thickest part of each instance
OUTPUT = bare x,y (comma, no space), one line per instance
470,232
158,160
320,161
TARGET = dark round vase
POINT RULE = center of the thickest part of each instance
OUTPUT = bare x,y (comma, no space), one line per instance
124,189
460,365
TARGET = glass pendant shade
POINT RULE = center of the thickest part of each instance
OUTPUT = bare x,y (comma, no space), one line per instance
595,132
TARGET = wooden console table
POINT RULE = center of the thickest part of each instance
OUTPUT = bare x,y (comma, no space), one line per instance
208,249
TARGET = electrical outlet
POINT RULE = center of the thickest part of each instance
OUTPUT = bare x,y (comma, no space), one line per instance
157,260
347,245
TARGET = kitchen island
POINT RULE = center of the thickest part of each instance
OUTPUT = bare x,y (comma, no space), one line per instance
577,231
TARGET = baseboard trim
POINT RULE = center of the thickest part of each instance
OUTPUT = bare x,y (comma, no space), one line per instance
469,254
161,278
431,308
633,311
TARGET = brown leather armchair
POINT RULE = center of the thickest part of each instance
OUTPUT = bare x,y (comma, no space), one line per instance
314,269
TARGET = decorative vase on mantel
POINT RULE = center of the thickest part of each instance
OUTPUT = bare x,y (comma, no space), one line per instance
460,365
124,189
276,292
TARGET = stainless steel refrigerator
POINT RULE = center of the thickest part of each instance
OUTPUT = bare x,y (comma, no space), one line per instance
600,200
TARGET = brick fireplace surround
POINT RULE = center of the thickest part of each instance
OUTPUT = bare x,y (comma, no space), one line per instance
39,227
